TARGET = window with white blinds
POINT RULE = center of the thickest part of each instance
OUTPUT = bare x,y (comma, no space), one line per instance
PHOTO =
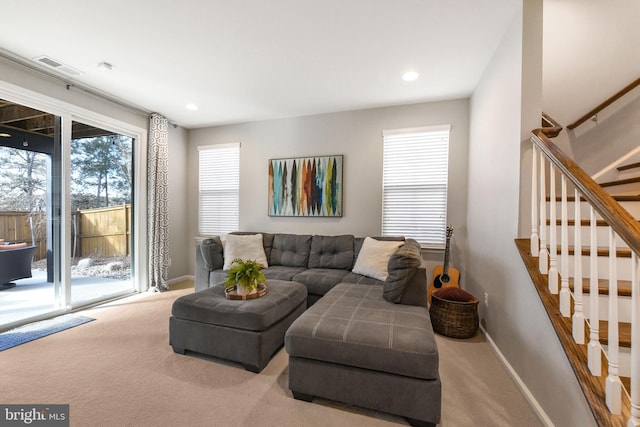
219,193
415,171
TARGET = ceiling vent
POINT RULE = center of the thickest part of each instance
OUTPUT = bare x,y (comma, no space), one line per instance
58,66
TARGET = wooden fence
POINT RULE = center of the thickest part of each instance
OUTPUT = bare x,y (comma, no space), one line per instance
103,231
15,227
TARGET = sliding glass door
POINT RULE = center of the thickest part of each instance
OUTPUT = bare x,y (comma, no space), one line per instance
26,284
66,192
101,212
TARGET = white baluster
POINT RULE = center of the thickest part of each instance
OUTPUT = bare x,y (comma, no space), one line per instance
578,314
613,384
543,256
553,269
565,295
535,240
594,348
634,421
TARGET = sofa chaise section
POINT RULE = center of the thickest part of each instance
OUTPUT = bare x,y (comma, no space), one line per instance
355,347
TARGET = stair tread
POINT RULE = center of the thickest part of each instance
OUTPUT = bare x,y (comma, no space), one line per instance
601,251
629,166
624,333
624,286
617,198
620,182
583,223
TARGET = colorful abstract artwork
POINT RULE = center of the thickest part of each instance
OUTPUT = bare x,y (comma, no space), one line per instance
305,186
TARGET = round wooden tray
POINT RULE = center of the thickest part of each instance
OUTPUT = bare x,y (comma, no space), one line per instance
231,293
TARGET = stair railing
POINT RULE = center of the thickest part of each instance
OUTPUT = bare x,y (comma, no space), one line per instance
604,104
621,225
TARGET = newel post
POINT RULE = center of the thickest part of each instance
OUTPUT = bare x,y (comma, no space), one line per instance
543,256
535,240
594,348
612,383
565,295
553,249
634,421
578,314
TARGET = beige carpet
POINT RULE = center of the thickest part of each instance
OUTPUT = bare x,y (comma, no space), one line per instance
120,371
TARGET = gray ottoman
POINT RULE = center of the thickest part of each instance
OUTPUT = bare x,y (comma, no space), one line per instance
248,332
355,347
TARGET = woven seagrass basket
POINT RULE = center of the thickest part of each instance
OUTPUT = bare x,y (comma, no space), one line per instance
454,318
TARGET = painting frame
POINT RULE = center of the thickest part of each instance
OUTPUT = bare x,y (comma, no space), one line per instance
310,186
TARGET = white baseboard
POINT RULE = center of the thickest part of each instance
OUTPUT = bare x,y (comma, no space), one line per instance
180,279
544,418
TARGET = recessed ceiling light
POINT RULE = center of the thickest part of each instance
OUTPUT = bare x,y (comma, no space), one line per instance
410,76
192,107
105,66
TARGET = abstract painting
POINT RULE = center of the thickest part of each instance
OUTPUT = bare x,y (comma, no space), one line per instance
305,186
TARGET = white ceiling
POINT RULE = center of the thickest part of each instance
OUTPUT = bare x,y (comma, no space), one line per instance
246,60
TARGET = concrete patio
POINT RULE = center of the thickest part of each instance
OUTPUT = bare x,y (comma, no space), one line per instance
35,297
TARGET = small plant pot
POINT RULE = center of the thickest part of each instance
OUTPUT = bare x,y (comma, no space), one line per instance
244,290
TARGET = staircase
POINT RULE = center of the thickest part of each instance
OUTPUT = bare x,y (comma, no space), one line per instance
582,258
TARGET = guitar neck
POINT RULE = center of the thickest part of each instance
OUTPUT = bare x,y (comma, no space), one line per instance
445,267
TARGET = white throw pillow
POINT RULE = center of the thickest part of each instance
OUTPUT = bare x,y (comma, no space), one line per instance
244,247
373,259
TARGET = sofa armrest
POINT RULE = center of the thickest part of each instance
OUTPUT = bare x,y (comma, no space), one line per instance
416,291
407,280
208,258
201,273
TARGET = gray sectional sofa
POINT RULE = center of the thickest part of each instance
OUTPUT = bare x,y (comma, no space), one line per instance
318,262
361,341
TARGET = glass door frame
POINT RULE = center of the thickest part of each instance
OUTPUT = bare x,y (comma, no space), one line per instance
62,244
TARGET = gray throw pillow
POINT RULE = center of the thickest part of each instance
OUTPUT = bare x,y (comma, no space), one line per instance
402,267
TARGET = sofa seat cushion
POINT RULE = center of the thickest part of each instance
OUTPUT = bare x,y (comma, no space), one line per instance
281,272
359,278
353,325
320,280
210,306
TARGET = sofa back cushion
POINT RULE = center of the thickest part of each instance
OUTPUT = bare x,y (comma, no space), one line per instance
290,250
331,252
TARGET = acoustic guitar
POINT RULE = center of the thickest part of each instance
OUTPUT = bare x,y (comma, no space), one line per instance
443,275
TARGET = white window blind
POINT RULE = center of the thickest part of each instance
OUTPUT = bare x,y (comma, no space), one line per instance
415,171
219,193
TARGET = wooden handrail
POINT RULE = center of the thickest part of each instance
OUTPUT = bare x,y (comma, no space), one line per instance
625,225
628,88
550,127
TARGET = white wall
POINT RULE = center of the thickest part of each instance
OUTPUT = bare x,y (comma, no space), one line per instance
590,54
514,318
355,134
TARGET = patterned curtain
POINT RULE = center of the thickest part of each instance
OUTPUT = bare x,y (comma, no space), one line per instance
157,203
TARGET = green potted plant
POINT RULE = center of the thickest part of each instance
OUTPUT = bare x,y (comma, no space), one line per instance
245,276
